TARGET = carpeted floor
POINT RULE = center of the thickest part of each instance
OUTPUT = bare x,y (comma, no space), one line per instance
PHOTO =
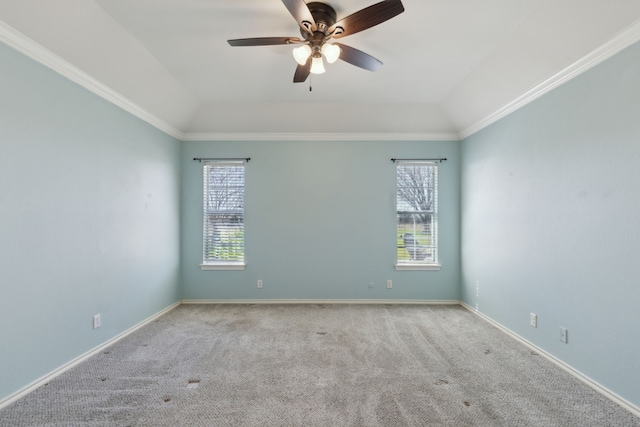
316,365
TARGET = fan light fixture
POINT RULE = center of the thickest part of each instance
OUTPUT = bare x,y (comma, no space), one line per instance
330,51
317,66
302,53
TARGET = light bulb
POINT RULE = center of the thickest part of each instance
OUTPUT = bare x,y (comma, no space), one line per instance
331,52
301,54
317,67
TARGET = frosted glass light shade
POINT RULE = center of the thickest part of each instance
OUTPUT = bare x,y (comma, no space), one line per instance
331,52
302,53
317,66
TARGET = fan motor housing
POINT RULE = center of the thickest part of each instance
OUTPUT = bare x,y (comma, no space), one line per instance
324,15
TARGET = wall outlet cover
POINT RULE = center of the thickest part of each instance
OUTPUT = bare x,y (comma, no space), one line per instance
564,335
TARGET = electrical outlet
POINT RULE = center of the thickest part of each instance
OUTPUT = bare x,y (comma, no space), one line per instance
96,321
389,284
533,320
564,335
259,284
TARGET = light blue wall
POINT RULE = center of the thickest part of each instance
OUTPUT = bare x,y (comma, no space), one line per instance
90,201
320,222
551,222
89,220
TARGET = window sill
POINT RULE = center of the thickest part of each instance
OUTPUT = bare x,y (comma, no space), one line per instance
415,267
225,266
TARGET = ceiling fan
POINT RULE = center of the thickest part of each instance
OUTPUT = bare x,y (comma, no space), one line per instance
318,25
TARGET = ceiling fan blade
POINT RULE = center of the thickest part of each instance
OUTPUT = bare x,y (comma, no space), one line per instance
302,72
264,41
358,58
367,17
301,13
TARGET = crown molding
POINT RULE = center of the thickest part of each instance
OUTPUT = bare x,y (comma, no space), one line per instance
615,45
18,41
35,51
302,137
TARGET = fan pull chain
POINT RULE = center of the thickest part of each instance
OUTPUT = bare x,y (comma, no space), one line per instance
310,78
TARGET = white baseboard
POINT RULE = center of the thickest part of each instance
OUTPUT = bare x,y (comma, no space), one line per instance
635,410
74,362
320,301
577,374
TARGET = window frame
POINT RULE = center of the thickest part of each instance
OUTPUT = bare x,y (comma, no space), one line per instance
208,264
433,264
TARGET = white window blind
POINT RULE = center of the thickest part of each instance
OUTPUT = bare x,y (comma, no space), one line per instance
417,213
223,213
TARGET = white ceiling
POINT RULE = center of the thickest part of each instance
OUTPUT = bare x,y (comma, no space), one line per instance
450,66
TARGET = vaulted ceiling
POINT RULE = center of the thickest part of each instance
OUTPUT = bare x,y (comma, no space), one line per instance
450,66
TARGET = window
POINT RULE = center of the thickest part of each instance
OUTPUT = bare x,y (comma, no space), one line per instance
223,216
417,215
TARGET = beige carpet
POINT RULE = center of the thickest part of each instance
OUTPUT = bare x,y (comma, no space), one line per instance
316,365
